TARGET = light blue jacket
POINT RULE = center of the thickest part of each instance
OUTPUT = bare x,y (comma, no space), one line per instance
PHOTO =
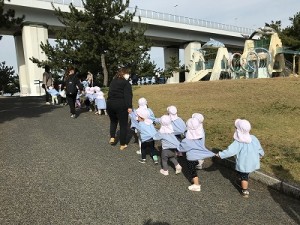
195,149
53,92
179,126
146,131
167,140
247,156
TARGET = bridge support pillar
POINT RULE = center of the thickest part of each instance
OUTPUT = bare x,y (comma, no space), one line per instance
168,53
189,51
27,46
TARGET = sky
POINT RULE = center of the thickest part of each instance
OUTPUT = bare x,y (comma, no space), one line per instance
251,14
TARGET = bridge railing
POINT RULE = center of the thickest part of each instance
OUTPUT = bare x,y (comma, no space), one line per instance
169,17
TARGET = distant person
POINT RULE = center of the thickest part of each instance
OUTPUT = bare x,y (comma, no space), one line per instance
169,145
194,148
47,82
90,79
119,104
73,85
100,102
247,151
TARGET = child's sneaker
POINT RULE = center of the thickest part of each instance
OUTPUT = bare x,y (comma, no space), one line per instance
200,164
194,187
245,193
142,160
164,172
178,169
155,159
139,152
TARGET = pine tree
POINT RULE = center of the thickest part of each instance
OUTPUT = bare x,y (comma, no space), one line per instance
102,37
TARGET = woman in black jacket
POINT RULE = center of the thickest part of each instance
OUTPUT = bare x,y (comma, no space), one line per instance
119,104
72,84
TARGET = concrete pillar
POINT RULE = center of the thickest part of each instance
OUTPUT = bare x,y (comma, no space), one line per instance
189,62
168,53
28,46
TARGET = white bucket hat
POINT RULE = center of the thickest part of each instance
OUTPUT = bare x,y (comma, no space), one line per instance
242,131
193,131
172,110
166,125
142,103
144,113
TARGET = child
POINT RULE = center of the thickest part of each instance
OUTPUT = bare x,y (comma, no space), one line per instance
100,101
143,104
178,124
247,150
54,93
147,132
63,96
169,145
194,147
200,117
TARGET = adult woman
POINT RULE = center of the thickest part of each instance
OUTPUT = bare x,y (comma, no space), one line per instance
119,104
72,84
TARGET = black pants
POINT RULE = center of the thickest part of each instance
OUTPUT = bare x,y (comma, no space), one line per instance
71,101
48,96
148,145
118,114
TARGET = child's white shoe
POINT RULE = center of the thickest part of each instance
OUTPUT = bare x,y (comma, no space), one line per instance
164,172
139,152
178,169
194,187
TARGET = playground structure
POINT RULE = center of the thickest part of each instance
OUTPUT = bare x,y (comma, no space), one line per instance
261,58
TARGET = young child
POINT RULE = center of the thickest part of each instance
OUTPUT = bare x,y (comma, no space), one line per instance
169,145
99,101
147,131
247,151
143,104
200,117
63,96
54,93
194,147
178,124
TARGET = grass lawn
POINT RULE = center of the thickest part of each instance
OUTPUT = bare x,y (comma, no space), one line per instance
271,105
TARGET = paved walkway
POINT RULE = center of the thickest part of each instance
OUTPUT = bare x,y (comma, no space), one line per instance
58,170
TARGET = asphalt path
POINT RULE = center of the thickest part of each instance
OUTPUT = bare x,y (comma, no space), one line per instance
59,170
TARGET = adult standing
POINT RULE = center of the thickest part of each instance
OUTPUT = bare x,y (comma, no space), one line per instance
72,84
47,82
119,104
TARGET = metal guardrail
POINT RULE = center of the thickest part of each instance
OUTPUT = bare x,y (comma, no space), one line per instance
143,13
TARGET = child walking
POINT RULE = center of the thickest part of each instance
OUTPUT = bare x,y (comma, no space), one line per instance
247,151
200,117
54,93
169,145
194,147
147,131
100,101
178,124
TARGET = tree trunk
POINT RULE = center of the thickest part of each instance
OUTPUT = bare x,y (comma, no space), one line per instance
105,73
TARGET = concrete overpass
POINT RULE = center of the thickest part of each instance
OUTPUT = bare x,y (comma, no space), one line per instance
165,30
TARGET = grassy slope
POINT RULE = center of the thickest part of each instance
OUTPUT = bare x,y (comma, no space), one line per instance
271,105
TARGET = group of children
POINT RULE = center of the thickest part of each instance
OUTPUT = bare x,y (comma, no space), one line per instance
178,137
92,98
